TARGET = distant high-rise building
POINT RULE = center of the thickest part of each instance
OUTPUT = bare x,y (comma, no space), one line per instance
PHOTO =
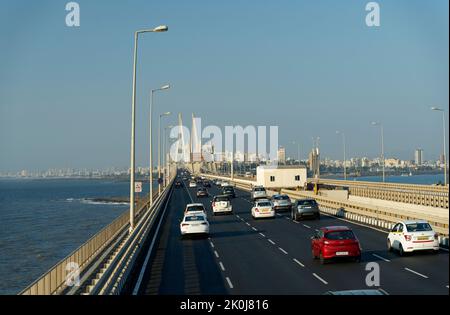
314,161
442,159
282,155
418,157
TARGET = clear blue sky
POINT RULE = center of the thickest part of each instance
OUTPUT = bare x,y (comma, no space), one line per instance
311,67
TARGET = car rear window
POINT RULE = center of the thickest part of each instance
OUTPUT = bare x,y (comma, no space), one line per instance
281,197
340,235
195,218
260,189
195,208
263,204
418,227
307,203
219,199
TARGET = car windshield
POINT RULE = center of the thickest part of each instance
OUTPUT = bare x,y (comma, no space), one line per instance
195,208
307,203
281,197
264,204
340,235
419,227
194,218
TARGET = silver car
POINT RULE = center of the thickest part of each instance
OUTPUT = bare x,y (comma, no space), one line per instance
281,202
305,208
258,192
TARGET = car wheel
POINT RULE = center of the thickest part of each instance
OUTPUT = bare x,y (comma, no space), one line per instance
318,216
358,259
401,251
435,251
323,261
313,256
389,246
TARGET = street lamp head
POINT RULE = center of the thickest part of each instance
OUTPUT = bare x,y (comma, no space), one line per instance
166,114
161,28
437,109
165,87
375,123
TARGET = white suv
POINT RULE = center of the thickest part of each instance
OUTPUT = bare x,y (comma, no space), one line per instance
221,204
410,236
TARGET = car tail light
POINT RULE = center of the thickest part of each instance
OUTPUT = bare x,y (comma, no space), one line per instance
256,210
408,238
213,204
185,224
436,236
204,223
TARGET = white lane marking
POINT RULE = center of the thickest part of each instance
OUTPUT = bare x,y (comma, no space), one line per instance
287,218
238,216
262,234
382,258
384,291
255,229
278,215
229,283
216,253
247,223
447,287
306,226
296,222
302,265
271,242
221,266
417,273
283,251
320,279
212,244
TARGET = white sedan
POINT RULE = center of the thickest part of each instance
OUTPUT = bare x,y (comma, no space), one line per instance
192,184
410,236
195,223
263,208
195,208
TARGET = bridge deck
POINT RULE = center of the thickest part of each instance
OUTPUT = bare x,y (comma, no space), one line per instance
244,256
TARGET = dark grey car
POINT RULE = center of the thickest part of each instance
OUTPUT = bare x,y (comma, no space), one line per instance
305,208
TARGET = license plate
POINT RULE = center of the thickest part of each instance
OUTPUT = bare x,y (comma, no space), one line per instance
341,253
422,238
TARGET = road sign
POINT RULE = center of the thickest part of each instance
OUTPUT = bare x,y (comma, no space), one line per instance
138,187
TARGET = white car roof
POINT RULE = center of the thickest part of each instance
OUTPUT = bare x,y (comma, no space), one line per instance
195,205
413,221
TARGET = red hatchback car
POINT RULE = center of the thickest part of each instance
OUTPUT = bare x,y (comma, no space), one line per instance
335,242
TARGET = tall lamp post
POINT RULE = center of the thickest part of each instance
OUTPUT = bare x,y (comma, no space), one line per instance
158,29
166,156
445,145
345,153
159,149
298,151
374,123
163,88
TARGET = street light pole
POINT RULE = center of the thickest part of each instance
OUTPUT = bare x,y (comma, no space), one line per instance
382,148
445,145
345,153
159,150
165,87
133,120
166,156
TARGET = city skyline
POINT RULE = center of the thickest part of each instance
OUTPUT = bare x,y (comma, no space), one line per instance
66,102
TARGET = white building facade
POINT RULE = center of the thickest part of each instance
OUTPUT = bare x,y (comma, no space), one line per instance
281,176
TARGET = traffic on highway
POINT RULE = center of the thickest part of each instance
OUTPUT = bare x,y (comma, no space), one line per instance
242,244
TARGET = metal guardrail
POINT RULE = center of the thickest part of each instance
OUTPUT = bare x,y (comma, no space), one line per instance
54,281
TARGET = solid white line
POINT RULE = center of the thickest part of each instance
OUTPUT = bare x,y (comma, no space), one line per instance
415,272
382,258
320,279
271,242
299,262
229,283
306,226
221,266
262,234
216,253
282,250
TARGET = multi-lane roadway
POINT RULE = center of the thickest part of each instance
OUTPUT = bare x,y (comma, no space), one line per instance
273,256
